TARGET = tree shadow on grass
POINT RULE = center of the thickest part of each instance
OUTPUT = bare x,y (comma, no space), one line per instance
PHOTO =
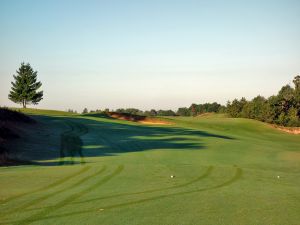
87,137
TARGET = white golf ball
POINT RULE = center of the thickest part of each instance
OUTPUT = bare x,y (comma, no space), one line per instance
278,177
172,176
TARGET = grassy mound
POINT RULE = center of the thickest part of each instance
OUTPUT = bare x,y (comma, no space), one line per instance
9,115
10,120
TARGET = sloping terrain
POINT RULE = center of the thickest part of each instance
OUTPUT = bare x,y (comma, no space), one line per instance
11,124
203,170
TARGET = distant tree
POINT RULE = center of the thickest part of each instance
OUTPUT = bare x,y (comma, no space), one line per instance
166,113
235,107
184,111
275,109
146,113
213,107
25,88
71,111
133,111
196,109
247,110
193,109
153,112
222,109
293,118
121,110
282,109
258,108
85,111
296,82
286,98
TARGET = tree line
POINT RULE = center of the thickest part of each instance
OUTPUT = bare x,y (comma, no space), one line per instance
282,109
193,110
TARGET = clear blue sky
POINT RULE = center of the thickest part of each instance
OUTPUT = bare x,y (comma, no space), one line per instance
150,54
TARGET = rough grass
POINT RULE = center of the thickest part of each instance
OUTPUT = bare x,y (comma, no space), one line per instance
10,121
11,115
226,172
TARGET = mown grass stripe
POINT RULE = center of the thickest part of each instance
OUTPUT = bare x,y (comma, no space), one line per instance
76,128
52,185
237,176
71,198
45,197
206,174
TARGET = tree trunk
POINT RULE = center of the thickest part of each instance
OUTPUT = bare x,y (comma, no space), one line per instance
24,103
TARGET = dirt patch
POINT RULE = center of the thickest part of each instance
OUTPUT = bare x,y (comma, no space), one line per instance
291,130
138,118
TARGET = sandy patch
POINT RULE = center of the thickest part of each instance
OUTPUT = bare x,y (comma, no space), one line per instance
291,130
138,119
158,122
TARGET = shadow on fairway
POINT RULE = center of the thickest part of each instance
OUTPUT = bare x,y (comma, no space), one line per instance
86,137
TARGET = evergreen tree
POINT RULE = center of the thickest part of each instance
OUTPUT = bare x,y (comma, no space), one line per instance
85,111
153,112
24,89
296,82
235,108
193,109
183,112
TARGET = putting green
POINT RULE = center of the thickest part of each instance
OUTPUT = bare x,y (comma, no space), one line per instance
95,170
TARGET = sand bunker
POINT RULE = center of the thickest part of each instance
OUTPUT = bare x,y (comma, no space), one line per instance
138,118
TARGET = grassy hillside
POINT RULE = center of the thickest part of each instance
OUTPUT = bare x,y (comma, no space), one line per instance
11,122
49,112
226,171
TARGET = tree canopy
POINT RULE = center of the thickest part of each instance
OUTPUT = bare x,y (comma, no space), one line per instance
25,87
282,109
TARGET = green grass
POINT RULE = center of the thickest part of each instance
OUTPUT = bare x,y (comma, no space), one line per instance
49,112
225,172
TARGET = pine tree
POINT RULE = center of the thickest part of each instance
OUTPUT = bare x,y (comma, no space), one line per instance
85,110
296,82
24,89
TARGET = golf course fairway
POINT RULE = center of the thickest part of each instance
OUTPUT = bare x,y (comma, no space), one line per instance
209,170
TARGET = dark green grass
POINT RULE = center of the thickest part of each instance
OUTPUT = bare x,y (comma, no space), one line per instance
117,172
